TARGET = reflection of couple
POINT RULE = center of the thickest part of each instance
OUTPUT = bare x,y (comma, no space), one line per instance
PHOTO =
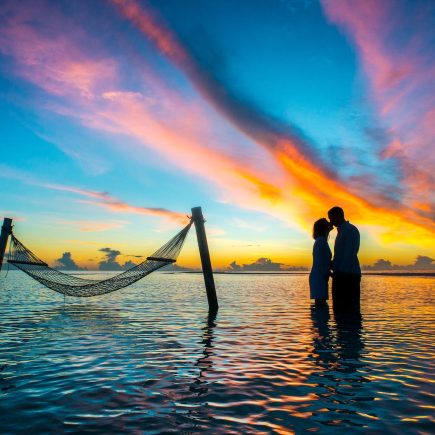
346,272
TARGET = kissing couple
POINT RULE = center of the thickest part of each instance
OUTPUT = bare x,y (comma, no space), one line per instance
343,267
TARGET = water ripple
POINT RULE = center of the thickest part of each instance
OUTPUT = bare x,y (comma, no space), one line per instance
150,360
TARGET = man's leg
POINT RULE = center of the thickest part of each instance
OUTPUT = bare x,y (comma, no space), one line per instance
355,289
346,290
338,289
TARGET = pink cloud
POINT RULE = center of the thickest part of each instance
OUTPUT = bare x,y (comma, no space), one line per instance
118,206
11,215
153,119
369,23
39,37
149,25
395,48
105,200
84,192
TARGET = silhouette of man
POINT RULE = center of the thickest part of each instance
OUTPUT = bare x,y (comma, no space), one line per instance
346,271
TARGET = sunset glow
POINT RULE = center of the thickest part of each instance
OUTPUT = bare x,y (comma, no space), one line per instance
122,115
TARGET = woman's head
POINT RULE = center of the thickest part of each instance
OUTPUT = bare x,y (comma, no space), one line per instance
322,227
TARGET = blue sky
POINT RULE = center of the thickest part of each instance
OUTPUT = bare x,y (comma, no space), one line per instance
265,113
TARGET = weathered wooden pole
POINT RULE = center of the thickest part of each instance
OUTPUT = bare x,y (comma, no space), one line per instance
4,236
207,271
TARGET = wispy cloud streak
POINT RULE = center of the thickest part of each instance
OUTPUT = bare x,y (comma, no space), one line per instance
255,123
395,44
105,200
313,186
95,198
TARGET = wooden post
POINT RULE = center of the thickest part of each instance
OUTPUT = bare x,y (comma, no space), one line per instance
4,236
207,271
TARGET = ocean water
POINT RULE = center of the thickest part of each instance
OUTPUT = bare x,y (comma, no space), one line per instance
149,360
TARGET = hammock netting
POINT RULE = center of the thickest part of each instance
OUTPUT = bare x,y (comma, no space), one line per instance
71,285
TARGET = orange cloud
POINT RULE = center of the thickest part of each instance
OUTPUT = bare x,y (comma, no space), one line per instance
309,187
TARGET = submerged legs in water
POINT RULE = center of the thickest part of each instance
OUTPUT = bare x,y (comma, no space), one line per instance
320,302
346,290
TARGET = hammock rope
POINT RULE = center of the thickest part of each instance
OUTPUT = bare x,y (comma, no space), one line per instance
70,285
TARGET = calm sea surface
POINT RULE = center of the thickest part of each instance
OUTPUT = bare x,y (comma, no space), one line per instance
148,359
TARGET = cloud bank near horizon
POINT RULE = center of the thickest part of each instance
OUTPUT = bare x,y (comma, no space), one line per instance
66,262
263,264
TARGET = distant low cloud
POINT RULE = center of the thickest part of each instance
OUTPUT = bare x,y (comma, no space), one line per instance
262,264
110,263
422,262
66,262
129,264
381,264
173,267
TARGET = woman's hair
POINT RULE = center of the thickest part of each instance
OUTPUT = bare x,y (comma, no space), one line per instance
322,227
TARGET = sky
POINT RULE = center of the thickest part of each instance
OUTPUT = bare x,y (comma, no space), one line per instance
118,116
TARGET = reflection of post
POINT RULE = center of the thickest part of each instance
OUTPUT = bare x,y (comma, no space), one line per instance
4,236
207,271
205,363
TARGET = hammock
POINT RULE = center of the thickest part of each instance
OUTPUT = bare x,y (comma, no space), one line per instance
70,285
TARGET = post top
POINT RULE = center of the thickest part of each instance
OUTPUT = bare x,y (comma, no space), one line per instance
196,210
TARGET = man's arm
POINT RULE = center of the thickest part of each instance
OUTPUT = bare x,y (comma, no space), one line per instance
351,248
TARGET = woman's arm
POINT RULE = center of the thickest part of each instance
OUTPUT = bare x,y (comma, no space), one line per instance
322,257
326,259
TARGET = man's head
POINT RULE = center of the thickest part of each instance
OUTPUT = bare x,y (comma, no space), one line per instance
336,216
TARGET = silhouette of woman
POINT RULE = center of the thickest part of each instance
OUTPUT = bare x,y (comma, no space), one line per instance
319,275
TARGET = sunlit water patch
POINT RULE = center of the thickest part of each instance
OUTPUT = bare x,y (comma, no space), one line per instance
148,359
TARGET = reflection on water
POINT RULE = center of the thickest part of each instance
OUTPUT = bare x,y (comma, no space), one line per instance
349,340
205,361
150,360
337,350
